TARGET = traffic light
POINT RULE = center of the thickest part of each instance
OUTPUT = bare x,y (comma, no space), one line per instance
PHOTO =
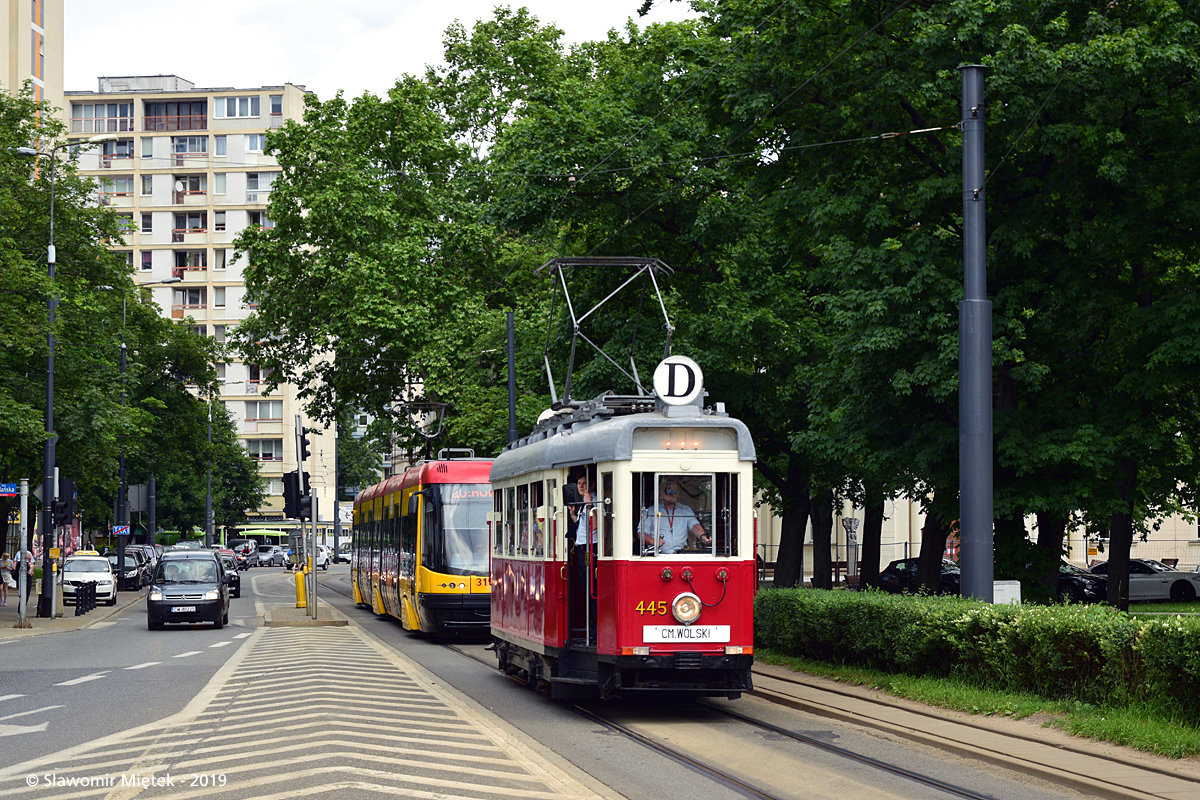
64,506
291,495
305,489
306,507
305,446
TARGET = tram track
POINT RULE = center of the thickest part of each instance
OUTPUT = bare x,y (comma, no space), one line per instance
739,784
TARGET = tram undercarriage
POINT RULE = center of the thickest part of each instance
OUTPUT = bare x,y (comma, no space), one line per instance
570,673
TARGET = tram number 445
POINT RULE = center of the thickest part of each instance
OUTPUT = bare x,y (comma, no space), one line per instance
652,607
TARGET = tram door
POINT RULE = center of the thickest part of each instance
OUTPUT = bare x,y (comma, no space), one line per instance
584,533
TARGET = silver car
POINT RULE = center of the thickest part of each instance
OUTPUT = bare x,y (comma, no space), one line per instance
270,555
1153,580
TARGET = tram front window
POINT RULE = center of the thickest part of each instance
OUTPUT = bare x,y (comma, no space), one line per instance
464,529
685,513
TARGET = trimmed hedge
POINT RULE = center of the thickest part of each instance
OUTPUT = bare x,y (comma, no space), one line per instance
1094,654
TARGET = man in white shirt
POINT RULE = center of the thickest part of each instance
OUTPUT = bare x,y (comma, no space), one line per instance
669,524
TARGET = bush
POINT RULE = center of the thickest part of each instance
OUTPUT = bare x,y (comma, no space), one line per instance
1093,654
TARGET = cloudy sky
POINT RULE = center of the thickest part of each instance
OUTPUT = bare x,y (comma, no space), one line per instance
352,45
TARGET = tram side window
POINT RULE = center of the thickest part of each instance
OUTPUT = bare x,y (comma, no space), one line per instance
537,519
725,514
606,509
523,520
430,532
497,526
510,516
408,541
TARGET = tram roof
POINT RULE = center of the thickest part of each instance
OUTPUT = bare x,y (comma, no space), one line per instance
600,439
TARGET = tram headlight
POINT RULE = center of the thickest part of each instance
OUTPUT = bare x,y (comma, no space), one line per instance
686,608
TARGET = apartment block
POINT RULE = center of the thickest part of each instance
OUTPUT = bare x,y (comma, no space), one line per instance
186,174
31,38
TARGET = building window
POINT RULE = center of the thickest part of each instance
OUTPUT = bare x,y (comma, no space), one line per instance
117,187
236,107
125,222
264,410
101,117
275,487
118,151
260,218
147,260
218,220
220,145
255,142
127,257
188,299
219,258
147,185
200,330
191,260
265,449
219,330
147,223
188,185
192,222
147,147
175,116
251,180
219,300
218,183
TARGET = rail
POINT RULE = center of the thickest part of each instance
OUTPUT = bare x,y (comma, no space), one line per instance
191,122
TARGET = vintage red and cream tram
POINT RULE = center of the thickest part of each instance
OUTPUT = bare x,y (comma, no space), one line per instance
659,594
420,550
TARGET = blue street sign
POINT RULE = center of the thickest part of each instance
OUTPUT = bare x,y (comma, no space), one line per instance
9,490
121,530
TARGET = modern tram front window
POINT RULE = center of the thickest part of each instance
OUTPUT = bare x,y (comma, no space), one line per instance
464,541
685,513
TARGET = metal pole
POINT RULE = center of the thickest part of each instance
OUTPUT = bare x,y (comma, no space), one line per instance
153,531
123,496
46,599
337,512
208,511
512,383
975,356
312,549
23,563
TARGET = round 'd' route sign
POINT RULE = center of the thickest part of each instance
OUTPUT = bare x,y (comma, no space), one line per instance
678,381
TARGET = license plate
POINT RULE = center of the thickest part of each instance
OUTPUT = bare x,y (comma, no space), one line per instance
193,608
699,634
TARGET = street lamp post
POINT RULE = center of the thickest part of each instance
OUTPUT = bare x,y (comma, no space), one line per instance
209,521
46,599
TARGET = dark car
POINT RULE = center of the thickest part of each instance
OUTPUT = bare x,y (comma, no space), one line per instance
1079,586
232,576
133,577
188,586
901,576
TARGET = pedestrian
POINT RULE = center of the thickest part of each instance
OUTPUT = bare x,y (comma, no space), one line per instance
6,569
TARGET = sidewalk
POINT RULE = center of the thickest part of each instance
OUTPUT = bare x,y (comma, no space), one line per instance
67,622
1100,769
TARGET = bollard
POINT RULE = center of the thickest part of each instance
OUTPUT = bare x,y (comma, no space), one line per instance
301,601
79,590
91,595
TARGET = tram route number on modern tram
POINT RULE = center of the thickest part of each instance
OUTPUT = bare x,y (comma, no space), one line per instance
481,583
685,633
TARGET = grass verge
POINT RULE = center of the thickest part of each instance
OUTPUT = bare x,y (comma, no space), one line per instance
1141,727
1163,608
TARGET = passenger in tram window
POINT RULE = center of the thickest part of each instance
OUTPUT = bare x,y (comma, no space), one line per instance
669,524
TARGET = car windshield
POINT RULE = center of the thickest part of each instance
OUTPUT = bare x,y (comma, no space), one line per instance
228,562
1070,569
187,572
1157,566
86,565
266,548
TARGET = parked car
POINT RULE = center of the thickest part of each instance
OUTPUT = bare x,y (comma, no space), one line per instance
189,544
232,576
1153,580
343,553
150,553
1077,585
270,555
901,576
324,557
80,569
188,586
132,577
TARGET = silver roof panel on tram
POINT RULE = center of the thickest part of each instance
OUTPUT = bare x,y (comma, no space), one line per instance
602,438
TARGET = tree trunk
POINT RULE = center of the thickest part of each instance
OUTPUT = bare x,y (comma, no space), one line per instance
789,561
1120,538
872,536
933,546
822,527
1051,528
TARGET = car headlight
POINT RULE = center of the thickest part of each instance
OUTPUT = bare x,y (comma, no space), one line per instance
131,574
212,594
104,583
686,608
155,594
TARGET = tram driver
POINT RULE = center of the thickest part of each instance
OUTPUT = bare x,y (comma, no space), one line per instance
670,524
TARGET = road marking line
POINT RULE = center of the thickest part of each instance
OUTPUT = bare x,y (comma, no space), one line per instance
243,635
143,666
84,679
220,644
27,713
188,653
103,624
10,697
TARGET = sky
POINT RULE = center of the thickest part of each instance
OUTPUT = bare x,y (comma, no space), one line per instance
326,45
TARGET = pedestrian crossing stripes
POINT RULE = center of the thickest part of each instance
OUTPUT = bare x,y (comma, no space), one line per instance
308,711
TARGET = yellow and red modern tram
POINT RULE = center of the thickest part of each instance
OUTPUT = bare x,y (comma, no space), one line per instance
623,551
420,551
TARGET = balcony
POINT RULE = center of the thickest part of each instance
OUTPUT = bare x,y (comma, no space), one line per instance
117,199
264,426
123,161
276,119
102,125
261,196
181,310
196,198
189,235
252,386
193,122
191,274
181,160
